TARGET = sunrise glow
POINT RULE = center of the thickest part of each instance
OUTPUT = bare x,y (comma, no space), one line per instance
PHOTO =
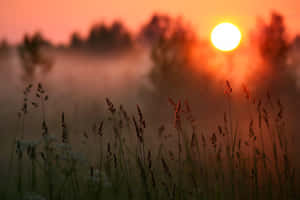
226,37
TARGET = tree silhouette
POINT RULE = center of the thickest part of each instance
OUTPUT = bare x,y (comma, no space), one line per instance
76,41
32,55
275,49
4,45
4,48
104,38
273,44
172,72
158,26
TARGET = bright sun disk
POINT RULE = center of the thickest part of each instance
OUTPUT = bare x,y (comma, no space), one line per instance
226,36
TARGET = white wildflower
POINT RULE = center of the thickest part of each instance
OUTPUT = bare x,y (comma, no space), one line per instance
78,157
99,177
33,196
49,138
22,144
105,180
72,156
62,146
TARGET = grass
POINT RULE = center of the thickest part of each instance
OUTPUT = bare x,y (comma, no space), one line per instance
119,159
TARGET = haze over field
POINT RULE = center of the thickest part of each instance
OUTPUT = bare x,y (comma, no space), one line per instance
123,66
142,90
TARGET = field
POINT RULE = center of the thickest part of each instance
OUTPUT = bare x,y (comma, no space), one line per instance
161,114
122,157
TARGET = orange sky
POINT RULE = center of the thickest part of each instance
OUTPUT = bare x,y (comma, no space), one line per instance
58,18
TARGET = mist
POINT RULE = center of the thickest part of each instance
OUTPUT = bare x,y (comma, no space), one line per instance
164,69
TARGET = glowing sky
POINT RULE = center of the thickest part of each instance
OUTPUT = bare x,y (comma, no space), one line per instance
56,19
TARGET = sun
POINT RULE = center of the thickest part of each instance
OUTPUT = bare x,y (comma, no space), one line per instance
226,36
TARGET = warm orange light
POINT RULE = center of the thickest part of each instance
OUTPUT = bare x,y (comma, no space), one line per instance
226,37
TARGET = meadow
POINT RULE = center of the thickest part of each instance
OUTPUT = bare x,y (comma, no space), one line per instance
157,115
122,157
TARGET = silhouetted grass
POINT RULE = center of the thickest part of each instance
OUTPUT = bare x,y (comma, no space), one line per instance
119,159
